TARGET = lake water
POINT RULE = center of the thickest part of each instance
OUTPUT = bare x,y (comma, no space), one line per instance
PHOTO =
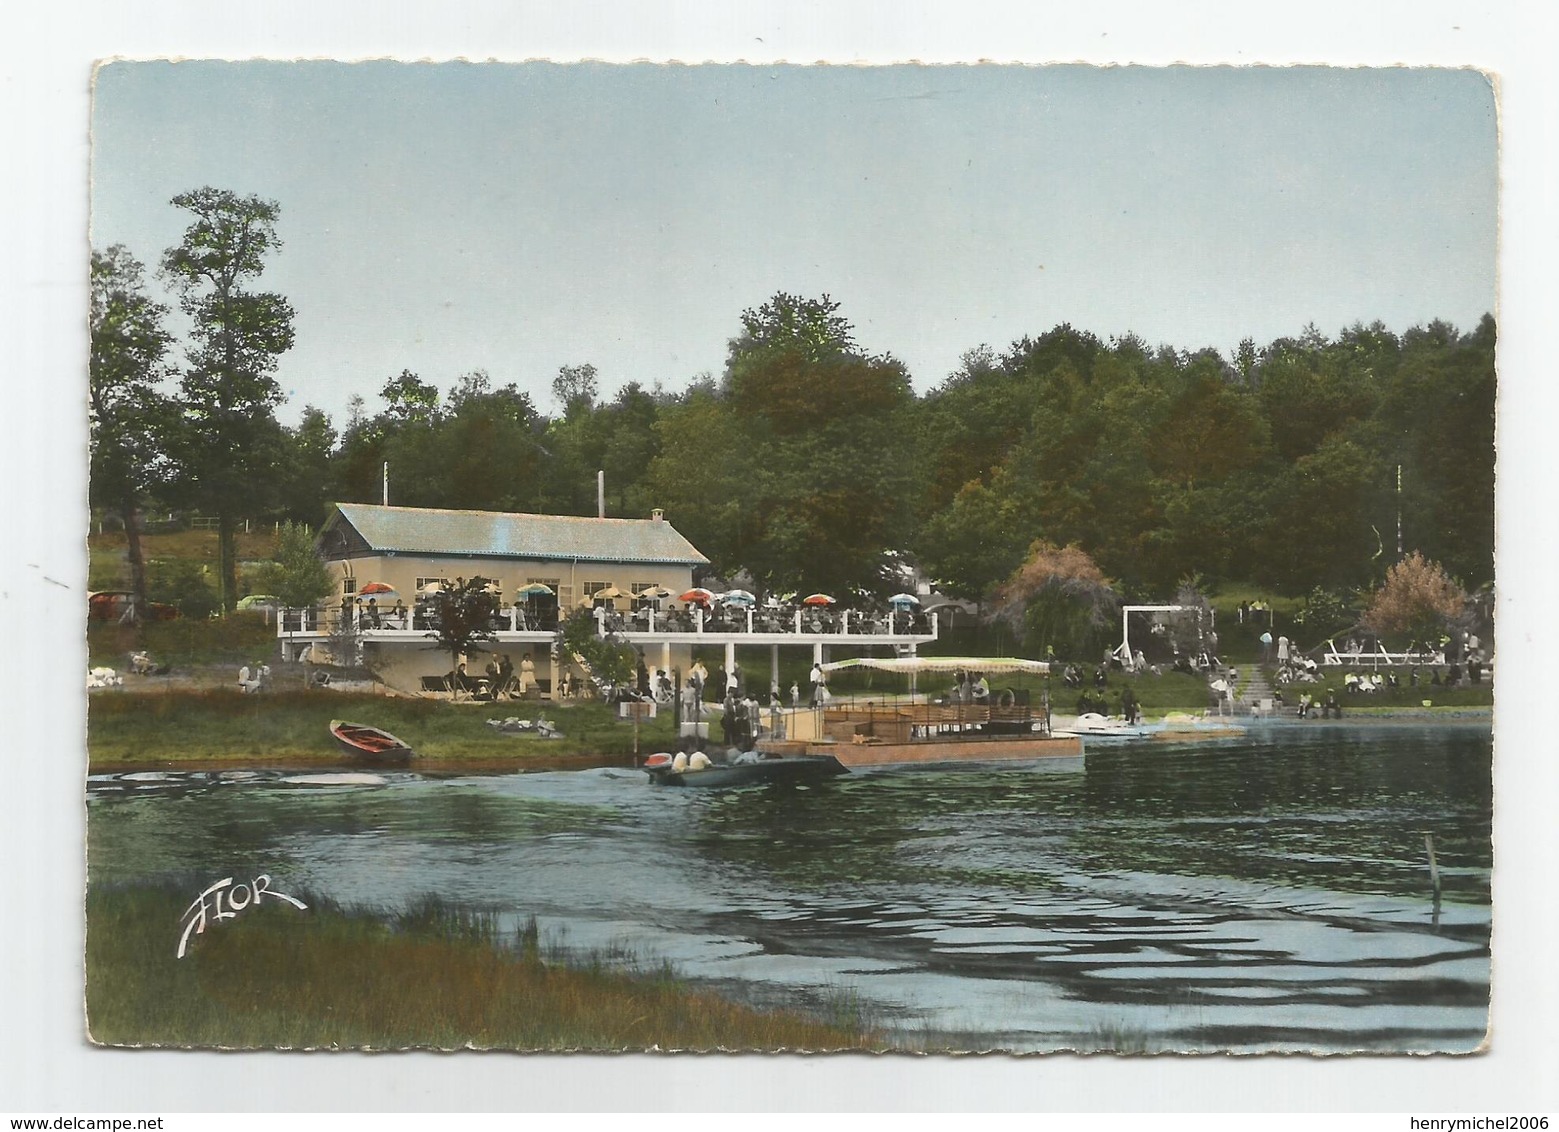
1264,893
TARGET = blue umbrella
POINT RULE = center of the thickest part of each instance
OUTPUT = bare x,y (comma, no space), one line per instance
903,599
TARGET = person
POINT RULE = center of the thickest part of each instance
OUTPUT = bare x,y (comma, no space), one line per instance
754,721
795,694
505,676
642,678
1129,711
248,681
527,674
373,613
733,680
141,664
1266,647
1282,650
399,613
700,676
1331,707
816,676
1304,705
728,722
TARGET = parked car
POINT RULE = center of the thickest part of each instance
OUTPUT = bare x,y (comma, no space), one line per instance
110,605
259,603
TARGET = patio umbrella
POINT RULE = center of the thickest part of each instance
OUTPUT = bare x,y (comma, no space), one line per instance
432,588
903,599
609,593
655,592
817,599
373,588
738,597
534,589
698,594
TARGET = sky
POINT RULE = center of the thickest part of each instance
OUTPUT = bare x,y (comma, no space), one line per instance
516,218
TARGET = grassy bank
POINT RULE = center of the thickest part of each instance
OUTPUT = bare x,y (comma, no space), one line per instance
238,638
435,977
132,728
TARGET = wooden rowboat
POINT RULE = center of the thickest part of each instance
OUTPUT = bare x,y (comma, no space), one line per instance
369,744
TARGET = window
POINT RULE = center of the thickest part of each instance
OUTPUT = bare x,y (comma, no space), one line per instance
593,588
564,594
348,587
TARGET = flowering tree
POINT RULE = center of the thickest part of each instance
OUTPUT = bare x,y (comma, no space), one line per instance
1058,598
1419,599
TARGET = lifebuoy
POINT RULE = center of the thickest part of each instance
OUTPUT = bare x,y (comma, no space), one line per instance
661,758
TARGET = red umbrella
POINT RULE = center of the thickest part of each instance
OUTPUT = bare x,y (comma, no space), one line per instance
817,599
377,588
698,594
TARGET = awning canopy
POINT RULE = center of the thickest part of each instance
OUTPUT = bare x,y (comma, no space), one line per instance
942,664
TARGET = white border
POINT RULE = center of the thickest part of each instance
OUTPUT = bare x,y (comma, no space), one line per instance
47,53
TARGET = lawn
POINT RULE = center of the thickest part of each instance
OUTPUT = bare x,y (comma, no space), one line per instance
126,727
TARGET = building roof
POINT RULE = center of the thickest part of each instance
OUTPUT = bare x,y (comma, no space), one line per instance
494,534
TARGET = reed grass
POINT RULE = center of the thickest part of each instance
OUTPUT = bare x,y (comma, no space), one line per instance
433,976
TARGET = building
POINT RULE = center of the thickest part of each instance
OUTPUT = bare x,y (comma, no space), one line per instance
542,567
409,548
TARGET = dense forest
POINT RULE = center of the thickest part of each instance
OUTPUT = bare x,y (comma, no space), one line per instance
809,461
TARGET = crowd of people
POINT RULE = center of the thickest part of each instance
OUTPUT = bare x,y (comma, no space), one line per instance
647,616
771,618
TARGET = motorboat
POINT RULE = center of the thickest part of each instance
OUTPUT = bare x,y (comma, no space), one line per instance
749,770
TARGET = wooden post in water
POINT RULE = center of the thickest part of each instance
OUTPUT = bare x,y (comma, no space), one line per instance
1434,867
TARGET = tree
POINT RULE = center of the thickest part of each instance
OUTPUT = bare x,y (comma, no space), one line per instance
813,328
297,575
229,444
410,400
1419,600
128,413
308,473
575,388
610,659
976,541
1058,599
463,613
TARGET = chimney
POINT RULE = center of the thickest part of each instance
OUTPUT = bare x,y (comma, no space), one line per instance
657,515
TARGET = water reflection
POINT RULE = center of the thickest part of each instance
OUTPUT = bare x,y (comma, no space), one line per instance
1265,893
